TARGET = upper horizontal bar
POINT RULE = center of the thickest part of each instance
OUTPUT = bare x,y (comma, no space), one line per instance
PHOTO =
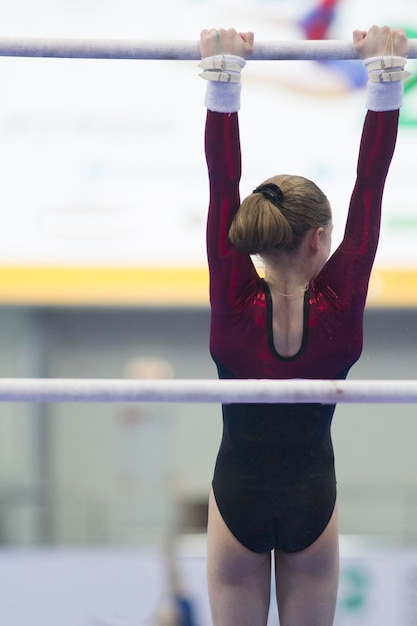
47,390
309,50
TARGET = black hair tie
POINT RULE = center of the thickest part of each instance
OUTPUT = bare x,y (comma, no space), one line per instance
271,192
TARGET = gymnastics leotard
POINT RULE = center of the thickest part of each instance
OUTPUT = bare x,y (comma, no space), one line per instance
274,480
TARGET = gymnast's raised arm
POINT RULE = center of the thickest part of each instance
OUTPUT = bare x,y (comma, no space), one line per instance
223,56
383,51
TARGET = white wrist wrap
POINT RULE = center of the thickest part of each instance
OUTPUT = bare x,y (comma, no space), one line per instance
223,88
222,62
384,96
223,97
392,64
385,82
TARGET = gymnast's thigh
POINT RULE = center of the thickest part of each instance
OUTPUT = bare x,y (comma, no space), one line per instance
226,555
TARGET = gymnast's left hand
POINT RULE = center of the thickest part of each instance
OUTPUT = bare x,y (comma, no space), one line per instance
228,41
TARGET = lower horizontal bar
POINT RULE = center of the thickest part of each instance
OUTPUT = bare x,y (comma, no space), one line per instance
174,50
59,390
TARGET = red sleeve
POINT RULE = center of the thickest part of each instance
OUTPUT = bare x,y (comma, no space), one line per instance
230,271
349,268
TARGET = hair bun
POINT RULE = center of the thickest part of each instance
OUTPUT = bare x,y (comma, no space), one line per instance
271,192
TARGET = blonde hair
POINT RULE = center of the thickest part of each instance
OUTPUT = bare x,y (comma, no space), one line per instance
262,226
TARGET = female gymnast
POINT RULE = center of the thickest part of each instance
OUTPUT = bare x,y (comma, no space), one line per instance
274,487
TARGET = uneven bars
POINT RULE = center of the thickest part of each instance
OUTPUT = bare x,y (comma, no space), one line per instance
308,50
61,390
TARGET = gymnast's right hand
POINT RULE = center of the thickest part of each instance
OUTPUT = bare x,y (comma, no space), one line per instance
221,41
380,42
